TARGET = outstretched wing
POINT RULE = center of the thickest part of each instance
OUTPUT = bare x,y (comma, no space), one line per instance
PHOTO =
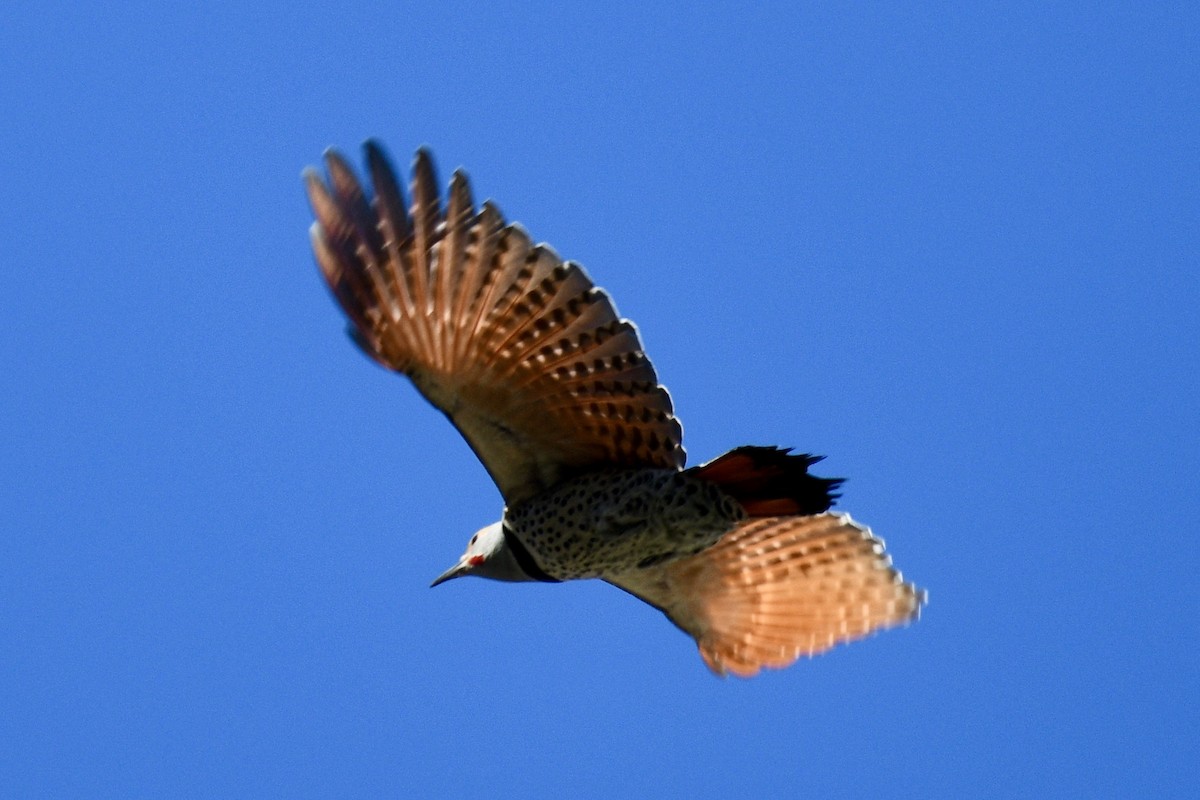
778,588
524,354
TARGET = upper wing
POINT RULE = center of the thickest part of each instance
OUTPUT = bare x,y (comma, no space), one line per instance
777,588
521,351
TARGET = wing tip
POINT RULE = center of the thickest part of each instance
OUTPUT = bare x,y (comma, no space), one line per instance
424,168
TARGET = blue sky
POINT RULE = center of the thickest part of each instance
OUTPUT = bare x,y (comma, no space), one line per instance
953,247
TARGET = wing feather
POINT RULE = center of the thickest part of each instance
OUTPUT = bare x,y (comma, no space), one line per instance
778,588
525,355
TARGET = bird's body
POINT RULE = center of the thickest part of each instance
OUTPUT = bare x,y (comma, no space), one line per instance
605,524
551,389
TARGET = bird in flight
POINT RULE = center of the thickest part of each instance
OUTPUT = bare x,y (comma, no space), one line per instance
552,390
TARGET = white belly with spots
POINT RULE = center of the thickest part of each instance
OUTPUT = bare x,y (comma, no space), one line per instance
615,521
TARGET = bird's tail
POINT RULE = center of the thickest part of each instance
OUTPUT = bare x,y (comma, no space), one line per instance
770,481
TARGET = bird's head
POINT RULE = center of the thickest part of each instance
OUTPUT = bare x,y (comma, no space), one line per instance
487,556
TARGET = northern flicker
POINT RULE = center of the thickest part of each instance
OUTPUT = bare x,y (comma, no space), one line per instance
551,389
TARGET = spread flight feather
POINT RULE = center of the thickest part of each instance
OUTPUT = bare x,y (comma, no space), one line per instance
524,354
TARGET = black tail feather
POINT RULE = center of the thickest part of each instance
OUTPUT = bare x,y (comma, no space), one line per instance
770,481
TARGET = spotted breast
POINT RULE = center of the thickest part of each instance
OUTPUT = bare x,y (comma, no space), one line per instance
612,521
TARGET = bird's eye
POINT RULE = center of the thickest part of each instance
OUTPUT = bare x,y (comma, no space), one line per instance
474,538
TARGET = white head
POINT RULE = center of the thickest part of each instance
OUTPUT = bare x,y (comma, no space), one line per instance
488,556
